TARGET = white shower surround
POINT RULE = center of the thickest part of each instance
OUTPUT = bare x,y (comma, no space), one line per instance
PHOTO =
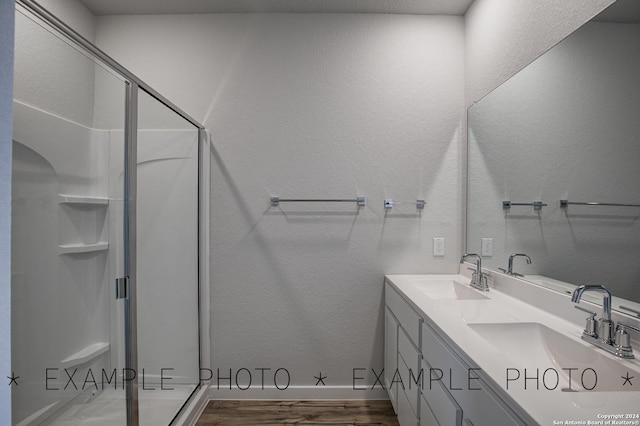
51,290
76,317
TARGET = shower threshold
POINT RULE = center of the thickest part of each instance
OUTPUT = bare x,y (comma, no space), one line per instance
108,407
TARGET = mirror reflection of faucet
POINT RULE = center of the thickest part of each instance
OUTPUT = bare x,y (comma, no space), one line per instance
479,279
600,332
510,271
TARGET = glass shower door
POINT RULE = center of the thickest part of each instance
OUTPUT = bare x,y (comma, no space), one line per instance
167,260
67,231
105,279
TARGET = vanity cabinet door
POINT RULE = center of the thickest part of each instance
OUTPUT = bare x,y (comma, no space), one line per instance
391,356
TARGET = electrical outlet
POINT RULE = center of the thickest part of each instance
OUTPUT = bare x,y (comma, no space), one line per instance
487,247
438,246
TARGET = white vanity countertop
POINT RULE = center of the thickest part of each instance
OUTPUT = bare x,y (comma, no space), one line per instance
547,407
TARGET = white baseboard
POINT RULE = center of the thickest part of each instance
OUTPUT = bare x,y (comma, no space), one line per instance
298,393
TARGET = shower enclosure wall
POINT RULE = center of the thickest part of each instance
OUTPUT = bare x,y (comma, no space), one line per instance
105,290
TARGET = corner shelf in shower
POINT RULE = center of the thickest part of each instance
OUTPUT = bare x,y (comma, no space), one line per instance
83,248
83,200
85,355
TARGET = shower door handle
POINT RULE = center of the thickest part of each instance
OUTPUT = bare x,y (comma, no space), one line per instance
122,286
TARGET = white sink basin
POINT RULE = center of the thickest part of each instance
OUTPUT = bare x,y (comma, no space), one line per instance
536,348
447,289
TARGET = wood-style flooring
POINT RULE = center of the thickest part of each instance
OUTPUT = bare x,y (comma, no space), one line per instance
273,413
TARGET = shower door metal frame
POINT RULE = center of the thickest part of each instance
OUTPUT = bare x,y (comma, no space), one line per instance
130,253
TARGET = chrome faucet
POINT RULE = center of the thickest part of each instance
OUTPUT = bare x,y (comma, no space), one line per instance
513,256
478,278
600,332
605,326
510,270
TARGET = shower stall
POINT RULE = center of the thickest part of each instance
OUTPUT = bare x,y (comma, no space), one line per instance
105,237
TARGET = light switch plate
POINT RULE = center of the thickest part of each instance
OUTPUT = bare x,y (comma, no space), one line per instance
487,247
438,246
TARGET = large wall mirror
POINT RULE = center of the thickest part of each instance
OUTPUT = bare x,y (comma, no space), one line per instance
566,127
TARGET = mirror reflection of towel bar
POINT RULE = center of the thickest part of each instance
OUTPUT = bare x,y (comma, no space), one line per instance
565,203
537,205
389,203
275,201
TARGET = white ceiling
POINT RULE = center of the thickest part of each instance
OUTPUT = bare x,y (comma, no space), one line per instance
148,7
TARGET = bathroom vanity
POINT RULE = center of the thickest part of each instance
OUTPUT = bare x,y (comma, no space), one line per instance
458,356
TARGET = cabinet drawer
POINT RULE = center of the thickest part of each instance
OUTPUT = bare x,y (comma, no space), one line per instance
406,416
426,415
411,389
408,350
439,357
443,406
409,368
478,403
391,356
483,409
408,318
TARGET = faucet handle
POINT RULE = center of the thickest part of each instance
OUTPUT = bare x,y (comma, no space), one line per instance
624,326
623,340
591,326
480,281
